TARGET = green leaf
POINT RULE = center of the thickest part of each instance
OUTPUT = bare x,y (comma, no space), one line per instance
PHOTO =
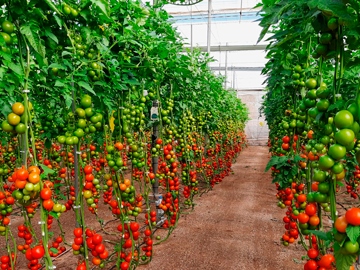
17,69
54,250
337,105
56,65
86,86
48,143
54,215
353,232
51,35
103,6
59,21
46,169
343,260
322,235
33,37
65,53
53,7
59,83
6,56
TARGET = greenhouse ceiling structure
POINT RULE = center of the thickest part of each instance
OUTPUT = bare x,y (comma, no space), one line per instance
233,43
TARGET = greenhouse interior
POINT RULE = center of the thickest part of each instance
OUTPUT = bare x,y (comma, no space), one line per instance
180,134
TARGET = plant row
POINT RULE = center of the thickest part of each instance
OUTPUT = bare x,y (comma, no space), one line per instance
312,108
109,131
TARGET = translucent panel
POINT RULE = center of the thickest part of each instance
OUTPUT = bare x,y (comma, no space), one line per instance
217,5
230,33
254,58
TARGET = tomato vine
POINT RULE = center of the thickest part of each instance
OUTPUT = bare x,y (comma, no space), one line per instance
99,103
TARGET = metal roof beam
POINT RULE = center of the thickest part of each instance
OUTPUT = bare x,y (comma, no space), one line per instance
237,68
224,48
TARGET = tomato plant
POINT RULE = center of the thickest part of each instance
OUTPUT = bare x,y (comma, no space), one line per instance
101,108
313,95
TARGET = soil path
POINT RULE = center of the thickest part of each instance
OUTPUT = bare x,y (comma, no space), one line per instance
236,226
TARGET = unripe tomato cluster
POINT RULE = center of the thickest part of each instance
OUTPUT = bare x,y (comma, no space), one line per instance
15,121
84,121
115,158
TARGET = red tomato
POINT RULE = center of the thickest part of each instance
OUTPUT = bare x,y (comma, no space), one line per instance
78,232
100,248
45,193
134,226
124,266
88,169
48,204
37,252
353,216
96,239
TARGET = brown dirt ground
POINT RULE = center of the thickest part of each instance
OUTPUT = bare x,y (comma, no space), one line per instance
235,226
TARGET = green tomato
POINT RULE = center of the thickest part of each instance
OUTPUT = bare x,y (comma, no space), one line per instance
319,175
82,123
80,112
328,129
323,104
345,136
325,38
313,112
7,27
320,197
29,186
89,112
325,140
6,126
337,168
355,127
337,151
311,94
86,101
311,83
324,187
20,128
79,133
343,119
322,92
61,139
69,140
6,38
351,248
326,162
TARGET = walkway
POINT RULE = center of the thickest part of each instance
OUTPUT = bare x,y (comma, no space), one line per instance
236,226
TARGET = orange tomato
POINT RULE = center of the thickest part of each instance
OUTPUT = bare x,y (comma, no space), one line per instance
341,224
314,220
20,184
303,218
34,169
127,182
34,178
